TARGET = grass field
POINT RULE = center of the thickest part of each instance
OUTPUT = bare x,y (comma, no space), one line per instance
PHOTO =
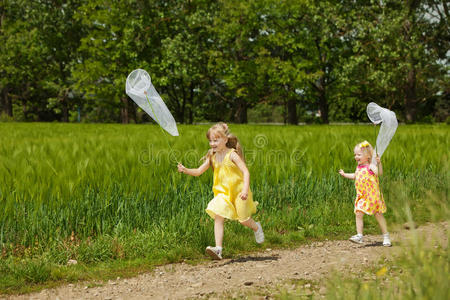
103,194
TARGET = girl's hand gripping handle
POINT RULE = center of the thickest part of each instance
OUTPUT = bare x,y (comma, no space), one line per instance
181,168
243,195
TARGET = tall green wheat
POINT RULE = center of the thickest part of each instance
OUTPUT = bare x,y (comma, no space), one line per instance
62,183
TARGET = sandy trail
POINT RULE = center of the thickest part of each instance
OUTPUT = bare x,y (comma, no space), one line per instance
256,272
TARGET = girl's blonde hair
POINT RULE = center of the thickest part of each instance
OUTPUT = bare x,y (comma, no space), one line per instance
221,129
366,149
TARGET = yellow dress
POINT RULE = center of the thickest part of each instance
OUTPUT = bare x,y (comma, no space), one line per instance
368,196
228,183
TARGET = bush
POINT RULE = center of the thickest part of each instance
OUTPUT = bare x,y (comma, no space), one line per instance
428,120
6,118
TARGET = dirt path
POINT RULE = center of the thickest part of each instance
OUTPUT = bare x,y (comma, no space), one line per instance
237,276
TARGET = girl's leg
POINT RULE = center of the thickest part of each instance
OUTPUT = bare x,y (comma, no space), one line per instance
382,222
257,229
218,230
250,223
359,222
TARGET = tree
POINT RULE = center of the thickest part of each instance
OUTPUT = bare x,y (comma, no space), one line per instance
60,32
21,61
397,51
328,46
115,37
181,70
284,56
233,58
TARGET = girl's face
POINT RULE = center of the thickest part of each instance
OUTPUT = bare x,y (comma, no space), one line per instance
360,157
218,142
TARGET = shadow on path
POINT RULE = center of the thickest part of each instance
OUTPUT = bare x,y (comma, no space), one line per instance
374,244
251,258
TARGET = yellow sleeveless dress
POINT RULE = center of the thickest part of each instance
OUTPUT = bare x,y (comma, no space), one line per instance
369,199
228,183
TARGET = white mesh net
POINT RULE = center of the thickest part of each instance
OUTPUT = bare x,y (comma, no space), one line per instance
389,124
139,82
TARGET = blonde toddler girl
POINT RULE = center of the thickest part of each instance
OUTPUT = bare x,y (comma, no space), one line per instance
369,199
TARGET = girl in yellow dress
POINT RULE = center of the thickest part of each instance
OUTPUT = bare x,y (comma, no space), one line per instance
233,198
369,199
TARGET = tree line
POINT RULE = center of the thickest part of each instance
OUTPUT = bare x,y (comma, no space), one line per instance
217,60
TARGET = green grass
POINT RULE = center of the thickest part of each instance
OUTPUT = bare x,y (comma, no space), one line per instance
421,272
107,193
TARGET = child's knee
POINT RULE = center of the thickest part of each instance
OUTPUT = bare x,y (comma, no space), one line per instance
245,221
219,219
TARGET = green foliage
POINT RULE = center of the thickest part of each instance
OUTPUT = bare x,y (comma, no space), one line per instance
266,113
5,118
215,60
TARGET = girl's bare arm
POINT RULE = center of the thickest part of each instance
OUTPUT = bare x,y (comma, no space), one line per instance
347,175
194,172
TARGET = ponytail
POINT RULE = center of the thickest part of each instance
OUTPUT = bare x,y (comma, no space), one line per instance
233,142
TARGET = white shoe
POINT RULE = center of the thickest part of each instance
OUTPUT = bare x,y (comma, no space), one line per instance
259,234
214,252
357,238
386,240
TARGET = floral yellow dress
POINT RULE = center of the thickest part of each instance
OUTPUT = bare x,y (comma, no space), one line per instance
228,183
369,199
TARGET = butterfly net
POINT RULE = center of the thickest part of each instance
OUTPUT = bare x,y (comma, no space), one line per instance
139,87
389,124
